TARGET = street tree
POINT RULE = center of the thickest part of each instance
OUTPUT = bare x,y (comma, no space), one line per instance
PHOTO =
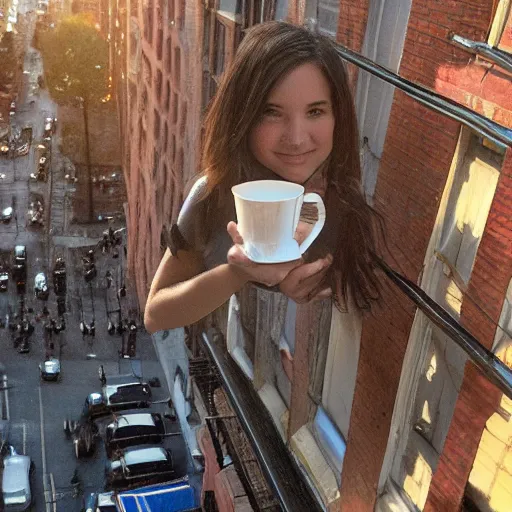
76,59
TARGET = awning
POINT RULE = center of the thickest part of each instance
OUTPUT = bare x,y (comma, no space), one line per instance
177,496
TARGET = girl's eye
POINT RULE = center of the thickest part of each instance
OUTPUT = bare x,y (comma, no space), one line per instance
271,112
315,112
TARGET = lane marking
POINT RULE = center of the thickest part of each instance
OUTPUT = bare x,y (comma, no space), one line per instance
54,494
24,425
43,451
6,394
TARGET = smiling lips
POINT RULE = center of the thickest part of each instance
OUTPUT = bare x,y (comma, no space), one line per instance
294,159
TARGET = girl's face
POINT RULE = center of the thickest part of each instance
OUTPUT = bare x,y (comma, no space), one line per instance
294,135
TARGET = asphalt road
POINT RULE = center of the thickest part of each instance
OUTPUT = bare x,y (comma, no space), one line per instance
37,409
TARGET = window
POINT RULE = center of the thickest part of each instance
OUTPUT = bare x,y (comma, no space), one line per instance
166,138
173,148
135,47
232,6
159,44
156,130
383,43
180,162
497,35
258,11
175,108
220,40
168,55
183,122
181,14
485,484
281,10
433,366
156,158
177,66
167,96
158,85
148,22
172,12
148,73
328,13
207,17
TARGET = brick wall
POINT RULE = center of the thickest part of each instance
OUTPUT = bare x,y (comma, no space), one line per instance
163,117
417,156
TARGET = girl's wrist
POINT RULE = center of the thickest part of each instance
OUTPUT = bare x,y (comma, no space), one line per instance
240,277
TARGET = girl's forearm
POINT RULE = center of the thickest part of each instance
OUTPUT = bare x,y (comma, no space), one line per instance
187,302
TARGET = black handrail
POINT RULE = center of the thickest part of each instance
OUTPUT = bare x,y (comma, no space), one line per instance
495,55
494,369
282,473
431,99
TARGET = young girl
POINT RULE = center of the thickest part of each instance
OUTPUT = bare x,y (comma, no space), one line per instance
284,111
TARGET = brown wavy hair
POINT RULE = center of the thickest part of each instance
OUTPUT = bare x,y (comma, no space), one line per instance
267,53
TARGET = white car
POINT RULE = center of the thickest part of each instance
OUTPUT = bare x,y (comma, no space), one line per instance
16,482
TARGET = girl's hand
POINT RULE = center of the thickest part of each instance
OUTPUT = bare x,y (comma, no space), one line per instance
301,284
268,274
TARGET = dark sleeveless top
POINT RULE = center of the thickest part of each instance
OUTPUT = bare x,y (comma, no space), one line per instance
189,231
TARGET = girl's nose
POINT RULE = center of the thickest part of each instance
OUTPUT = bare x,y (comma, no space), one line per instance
294,134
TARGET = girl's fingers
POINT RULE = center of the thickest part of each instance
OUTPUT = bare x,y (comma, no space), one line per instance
234,234
236,256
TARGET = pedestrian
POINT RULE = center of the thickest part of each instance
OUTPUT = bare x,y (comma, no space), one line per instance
284,111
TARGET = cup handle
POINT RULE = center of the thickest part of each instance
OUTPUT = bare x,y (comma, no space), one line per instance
311,197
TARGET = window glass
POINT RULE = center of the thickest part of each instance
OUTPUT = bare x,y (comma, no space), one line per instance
327,17
281,10
234,6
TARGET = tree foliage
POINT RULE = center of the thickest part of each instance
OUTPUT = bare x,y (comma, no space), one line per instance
75,58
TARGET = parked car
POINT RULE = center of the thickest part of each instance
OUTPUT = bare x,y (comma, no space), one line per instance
35,215
119,393
4,280
41,287
4,146
6,214
22,149
16,482
19,264
50,369
134,429
148,464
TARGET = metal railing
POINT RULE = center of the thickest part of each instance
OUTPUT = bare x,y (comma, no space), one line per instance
431,99
497,372
490,53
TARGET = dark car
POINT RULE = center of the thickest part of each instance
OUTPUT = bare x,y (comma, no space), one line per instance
19,264
119,393
134,429
136,465
41,290
50,369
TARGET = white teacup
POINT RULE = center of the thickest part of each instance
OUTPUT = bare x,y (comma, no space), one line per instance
268,212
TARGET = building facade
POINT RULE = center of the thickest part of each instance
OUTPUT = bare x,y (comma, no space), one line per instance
378,411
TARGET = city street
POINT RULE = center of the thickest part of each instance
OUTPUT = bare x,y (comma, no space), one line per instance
37,409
